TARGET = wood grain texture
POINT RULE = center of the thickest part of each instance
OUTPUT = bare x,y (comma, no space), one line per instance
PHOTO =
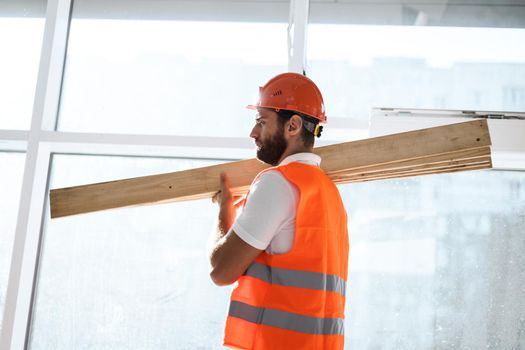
449,159
418,173
463,155
449,148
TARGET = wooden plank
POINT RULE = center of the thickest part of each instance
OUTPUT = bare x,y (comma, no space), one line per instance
431,159
485,165
429,163
181,185
410,172
375,154
433,163
404,146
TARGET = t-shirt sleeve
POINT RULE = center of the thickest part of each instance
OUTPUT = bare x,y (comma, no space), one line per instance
268,206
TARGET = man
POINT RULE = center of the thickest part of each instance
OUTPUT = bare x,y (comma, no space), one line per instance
288,249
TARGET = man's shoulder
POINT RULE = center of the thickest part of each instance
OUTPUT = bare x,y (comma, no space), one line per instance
270,185
270,177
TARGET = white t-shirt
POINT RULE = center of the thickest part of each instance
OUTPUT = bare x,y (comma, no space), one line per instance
268,218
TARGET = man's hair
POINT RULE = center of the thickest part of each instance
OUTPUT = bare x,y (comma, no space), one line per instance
306,135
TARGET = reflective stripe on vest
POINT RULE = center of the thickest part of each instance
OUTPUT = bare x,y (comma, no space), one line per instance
297,278
287,320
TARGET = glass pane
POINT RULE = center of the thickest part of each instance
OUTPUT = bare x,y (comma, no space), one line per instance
132,278
436,262
365,66
20,43
10,187
167,76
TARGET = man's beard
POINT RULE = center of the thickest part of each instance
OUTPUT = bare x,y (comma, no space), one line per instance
271,150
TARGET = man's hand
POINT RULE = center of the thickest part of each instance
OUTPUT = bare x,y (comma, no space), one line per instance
228,204
230,256
227,210
224,195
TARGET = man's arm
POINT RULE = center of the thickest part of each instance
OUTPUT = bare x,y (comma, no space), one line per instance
230,256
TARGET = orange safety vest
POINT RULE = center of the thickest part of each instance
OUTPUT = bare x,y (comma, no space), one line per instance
296,300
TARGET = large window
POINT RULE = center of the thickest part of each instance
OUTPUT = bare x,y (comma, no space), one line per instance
417,55
417,67
132,278
436,262
166,76
12,172
20,43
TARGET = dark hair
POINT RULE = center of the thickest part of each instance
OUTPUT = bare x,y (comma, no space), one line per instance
309,124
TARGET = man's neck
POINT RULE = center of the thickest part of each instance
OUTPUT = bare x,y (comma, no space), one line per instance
293,150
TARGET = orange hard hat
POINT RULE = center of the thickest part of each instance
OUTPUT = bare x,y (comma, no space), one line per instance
293,92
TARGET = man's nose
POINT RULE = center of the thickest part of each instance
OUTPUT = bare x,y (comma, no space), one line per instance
253,133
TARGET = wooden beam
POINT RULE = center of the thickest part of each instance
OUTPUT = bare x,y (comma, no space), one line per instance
463,155
418,173
448,160
405,146
422,170
441,149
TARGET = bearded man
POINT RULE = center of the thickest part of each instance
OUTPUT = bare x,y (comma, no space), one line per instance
287,252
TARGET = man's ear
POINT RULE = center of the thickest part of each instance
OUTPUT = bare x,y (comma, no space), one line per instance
294,125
